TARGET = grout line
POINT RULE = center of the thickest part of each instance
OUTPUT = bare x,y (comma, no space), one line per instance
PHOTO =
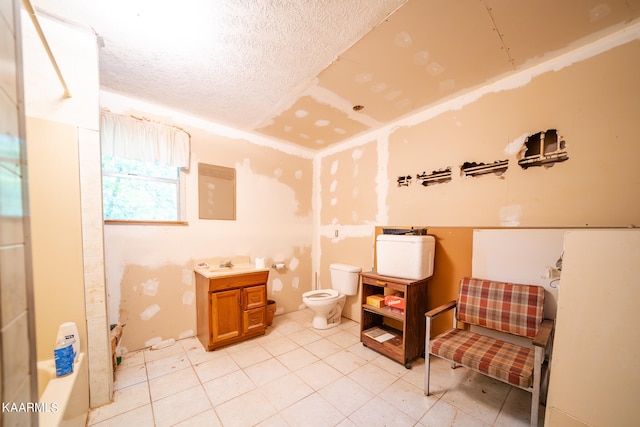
260,342
504,402
153,414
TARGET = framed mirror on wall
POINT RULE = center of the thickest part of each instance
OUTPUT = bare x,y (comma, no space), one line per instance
216,192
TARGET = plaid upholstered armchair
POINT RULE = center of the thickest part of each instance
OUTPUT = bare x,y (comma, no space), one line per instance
505,307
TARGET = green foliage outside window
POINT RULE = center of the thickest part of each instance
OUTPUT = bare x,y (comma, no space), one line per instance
136,190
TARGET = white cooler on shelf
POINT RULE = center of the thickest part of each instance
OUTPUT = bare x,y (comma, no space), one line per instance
406,257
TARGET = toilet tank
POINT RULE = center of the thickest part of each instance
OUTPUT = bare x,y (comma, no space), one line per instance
345,278
406,257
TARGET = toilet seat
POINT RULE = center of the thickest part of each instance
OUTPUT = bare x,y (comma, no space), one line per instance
321,295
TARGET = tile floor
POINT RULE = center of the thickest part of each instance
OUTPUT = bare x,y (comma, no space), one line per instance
298,376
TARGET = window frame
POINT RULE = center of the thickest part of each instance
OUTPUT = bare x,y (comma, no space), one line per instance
180,196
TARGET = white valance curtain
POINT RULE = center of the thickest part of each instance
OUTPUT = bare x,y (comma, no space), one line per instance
135,139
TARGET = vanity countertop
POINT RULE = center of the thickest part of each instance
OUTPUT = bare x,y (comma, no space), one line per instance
217,266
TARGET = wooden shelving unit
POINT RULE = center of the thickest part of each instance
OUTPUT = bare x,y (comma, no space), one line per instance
398,335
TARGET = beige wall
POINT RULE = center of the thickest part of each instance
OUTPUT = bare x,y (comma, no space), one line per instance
54,193
73,124
348,190
348,197
284,214
593,103
355,188
273,221
593,378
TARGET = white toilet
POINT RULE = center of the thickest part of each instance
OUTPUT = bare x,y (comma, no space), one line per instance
327,304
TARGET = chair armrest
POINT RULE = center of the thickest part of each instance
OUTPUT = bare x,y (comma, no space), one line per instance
441,309
544,333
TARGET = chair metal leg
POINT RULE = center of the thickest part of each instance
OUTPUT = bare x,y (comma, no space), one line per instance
535,396
427,361
454,365
427,373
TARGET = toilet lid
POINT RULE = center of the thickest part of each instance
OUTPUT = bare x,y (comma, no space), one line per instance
322,294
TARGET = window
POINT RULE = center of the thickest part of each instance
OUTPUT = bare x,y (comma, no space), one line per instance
143,165
143,191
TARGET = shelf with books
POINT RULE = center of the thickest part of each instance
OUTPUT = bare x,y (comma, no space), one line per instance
396,333
391,312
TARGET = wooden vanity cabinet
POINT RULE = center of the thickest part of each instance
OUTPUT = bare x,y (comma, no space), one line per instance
230,308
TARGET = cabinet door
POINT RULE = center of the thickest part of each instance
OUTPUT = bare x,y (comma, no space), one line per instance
225,315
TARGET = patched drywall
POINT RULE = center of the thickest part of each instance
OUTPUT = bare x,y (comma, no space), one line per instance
595,113
596,116
327,126
149,268
156,304
289,282
254,65
347,186
356,188
348,212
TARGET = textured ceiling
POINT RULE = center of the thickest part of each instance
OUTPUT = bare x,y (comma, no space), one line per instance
295,70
